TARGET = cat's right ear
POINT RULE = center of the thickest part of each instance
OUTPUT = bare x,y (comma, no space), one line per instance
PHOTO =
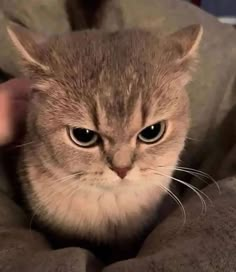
186,42
27,44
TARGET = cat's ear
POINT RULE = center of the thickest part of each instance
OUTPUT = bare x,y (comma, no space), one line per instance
187,41
182,48
27,44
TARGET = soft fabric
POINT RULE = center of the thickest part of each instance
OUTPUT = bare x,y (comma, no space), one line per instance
206,242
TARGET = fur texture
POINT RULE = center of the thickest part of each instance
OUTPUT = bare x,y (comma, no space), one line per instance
117,84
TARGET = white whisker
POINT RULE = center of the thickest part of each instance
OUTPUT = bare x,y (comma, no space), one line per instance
196,173
177,200
203,174
195,189
46,198
71,186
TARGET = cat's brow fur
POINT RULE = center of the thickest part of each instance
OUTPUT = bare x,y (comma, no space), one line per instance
116,84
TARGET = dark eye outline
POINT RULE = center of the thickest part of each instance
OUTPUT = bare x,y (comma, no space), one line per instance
158,137
92,143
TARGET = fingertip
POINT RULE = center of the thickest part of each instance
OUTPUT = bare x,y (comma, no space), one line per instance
6,126
18,88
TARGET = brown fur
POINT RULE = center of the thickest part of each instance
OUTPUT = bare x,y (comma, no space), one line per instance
117,84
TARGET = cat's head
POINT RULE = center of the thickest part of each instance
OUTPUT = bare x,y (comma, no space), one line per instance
108,109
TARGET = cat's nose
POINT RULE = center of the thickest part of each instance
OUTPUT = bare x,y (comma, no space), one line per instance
121,171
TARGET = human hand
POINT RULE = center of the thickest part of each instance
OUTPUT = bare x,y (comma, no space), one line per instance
13,105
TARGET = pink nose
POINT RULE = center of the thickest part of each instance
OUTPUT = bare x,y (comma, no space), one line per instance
121,171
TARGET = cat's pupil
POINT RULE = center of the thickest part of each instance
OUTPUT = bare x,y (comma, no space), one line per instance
151,132
83,135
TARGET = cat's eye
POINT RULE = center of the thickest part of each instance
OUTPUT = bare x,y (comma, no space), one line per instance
83,137
153,133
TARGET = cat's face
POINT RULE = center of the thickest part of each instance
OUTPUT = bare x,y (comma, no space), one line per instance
113,119
109,115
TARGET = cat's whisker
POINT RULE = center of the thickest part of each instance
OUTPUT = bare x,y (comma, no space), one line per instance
195,173
25,144
44,135
176,199
47,199
70,195
31,223
193,188
192,139
64,180
197,191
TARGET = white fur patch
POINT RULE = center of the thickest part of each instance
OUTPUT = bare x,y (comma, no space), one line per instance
96,212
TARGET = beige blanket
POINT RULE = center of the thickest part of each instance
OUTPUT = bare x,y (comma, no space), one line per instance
207,240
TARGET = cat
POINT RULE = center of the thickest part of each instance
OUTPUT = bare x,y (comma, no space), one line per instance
107,121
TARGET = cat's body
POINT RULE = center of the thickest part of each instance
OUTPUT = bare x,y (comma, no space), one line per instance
124,89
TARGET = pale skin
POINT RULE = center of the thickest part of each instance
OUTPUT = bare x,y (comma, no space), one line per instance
13,105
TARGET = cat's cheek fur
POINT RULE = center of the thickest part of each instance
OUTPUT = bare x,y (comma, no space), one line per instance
92,213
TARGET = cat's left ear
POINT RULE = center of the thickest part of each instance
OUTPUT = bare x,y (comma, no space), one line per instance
27,44
186,41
